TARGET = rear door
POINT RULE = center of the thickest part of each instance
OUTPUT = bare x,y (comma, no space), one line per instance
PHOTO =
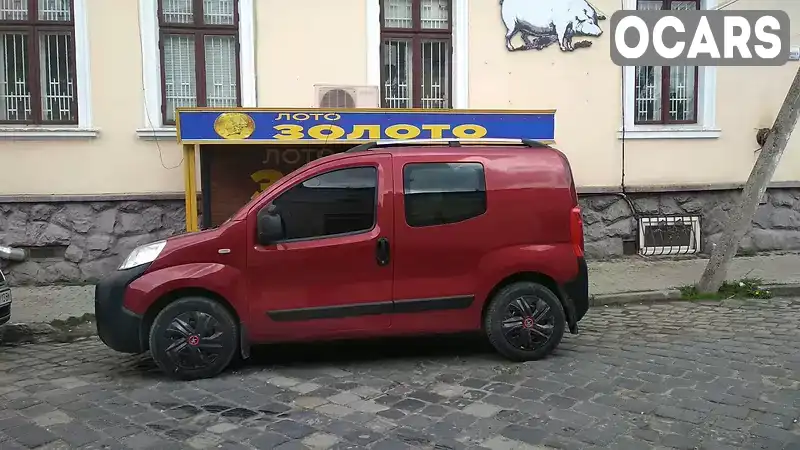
440,221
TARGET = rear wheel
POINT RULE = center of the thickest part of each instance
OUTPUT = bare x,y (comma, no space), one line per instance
525,321
194,337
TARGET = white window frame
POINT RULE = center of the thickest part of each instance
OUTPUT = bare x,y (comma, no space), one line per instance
460,42
154,128
83,81
706,126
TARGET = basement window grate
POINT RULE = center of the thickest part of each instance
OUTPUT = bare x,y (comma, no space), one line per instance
46,252
669,235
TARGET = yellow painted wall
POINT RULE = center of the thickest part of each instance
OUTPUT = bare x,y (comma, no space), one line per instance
295,50
308,42
586,89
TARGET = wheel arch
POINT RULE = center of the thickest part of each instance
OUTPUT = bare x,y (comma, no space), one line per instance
150,315
534,277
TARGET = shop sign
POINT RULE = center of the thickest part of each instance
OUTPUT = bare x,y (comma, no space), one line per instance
201,126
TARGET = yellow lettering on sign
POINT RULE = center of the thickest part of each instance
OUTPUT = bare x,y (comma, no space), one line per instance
373,132
436,130
300,116
265,178
288,132
467,131
332,116
284,116
326,132
402,131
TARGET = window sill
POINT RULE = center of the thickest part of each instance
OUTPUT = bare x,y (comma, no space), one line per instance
47,133
669,132
157,134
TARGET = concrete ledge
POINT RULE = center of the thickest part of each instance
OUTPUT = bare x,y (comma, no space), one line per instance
582,190
634,297
43,198
699,187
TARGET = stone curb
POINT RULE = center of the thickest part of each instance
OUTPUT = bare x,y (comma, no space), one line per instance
18,333
621,298
35,332
783,290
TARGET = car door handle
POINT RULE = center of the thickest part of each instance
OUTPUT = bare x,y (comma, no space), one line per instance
382,251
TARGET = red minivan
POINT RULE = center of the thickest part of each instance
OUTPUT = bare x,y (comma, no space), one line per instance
388,238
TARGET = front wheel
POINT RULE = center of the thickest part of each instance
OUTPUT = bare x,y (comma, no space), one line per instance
525,321
194,337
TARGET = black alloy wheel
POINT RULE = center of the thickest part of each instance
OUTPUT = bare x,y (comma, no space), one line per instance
194,337
529,323
525,321
193,340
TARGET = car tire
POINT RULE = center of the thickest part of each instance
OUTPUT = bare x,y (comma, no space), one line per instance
193,338
525,321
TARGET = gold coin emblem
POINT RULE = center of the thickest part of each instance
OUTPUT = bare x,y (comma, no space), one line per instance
234,125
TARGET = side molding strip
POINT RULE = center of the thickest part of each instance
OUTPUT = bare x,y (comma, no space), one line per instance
372,309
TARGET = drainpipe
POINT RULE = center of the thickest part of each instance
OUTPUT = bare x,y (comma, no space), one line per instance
13,254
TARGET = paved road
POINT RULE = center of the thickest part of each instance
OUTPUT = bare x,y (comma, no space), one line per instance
675,375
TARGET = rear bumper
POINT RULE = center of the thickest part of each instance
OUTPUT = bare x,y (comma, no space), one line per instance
117,327
577,291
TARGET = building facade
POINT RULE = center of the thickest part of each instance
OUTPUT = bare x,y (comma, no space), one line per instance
88,91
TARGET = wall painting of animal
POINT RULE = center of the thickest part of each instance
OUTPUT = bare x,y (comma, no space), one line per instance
542,23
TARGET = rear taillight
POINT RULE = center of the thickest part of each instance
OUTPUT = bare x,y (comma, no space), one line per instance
576,231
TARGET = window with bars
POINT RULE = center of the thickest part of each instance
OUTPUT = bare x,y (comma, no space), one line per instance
668,94
199,54
37,68
416,43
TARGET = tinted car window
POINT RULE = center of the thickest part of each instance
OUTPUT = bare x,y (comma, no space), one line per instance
336,202
442,193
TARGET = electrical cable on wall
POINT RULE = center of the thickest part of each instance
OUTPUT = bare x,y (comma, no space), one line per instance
147,109
624,194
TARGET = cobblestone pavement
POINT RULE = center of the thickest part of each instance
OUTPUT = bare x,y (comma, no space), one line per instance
677,375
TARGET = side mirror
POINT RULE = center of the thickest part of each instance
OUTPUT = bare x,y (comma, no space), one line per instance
270,226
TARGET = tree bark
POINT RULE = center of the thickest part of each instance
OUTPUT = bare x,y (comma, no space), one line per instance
741,218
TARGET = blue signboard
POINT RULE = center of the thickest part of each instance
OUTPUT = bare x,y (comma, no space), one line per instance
328,126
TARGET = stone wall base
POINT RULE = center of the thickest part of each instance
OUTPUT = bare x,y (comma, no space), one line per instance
76,242
610,222
80,242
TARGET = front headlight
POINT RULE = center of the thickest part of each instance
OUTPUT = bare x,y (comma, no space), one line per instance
143,254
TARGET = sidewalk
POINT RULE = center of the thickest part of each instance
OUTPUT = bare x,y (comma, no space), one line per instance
45,304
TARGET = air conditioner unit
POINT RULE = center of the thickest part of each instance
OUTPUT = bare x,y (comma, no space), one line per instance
331,96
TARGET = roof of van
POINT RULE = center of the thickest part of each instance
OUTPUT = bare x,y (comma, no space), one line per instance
454,146
452,143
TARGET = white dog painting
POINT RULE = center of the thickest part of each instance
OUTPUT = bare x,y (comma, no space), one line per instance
542,23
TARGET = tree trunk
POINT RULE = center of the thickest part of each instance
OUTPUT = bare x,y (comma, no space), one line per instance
741,218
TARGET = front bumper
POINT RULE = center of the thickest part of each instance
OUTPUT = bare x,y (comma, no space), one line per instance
117,327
